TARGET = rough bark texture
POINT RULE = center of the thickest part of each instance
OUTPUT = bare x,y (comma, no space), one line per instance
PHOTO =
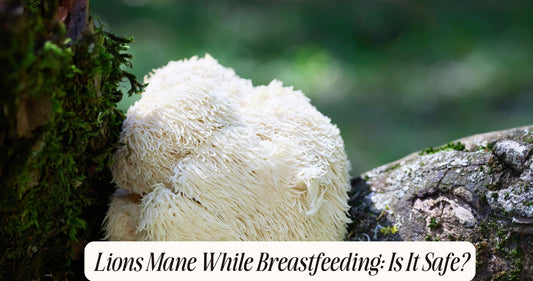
59,126
477,189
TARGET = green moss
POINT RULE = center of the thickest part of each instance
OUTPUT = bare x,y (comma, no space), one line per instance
393,167
430,238
493,166
59,126
506,276
389,230
529,138
434,224
500,241
452,237
506,195
449,146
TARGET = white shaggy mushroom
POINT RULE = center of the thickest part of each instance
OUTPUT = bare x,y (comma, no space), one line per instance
207,156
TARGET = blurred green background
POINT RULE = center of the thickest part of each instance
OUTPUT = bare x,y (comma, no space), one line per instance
396,76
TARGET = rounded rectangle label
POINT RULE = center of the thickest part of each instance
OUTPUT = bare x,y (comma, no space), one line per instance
282,260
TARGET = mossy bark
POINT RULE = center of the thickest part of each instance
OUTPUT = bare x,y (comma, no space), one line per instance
59,126
477,189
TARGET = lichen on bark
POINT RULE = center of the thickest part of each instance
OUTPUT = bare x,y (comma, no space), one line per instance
59,126
480,191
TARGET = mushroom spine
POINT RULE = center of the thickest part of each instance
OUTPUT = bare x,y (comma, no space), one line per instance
208,156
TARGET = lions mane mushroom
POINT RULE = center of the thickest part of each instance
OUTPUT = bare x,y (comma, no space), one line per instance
208,156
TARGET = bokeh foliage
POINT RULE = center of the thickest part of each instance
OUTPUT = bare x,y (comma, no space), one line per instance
396,76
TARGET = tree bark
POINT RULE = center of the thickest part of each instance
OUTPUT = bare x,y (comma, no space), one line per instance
477,189
59,126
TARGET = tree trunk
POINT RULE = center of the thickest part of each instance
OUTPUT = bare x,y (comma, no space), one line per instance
59,126
477,189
